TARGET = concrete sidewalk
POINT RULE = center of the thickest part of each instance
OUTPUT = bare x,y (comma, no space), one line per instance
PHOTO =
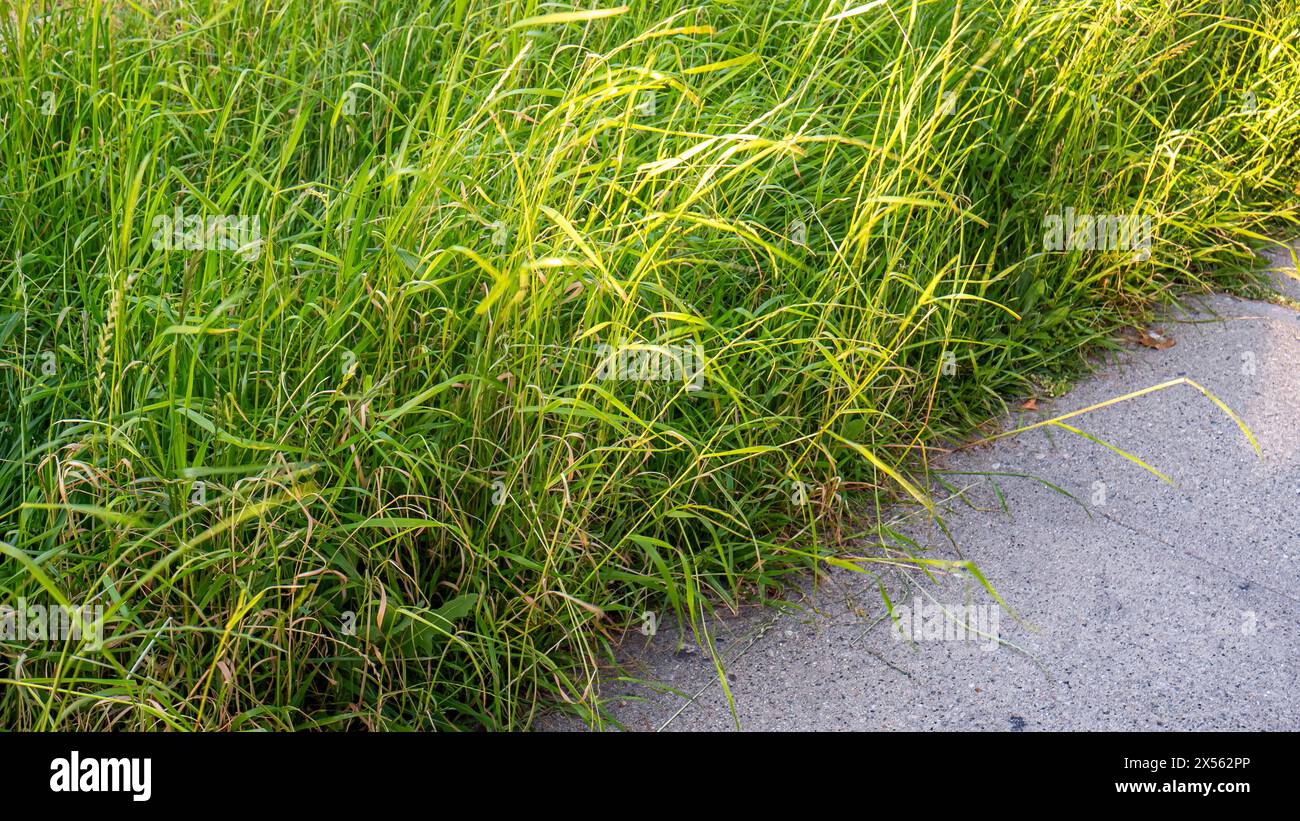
1145,605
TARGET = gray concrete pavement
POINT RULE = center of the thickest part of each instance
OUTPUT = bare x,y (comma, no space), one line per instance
1145,605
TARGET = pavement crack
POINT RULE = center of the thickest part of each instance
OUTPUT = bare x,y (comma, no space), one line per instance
1200,558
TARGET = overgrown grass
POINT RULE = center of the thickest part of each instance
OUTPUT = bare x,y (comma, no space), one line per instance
417,504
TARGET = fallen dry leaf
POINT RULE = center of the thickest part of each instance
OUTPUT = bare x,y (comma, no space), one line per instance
1032,404
1156,338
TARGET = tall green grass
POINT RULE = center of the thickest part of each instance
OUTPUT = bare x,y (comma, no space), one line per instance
372,479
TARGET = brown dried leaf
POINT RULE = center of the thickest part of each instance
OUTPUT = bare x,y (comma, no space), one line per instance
1156,338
